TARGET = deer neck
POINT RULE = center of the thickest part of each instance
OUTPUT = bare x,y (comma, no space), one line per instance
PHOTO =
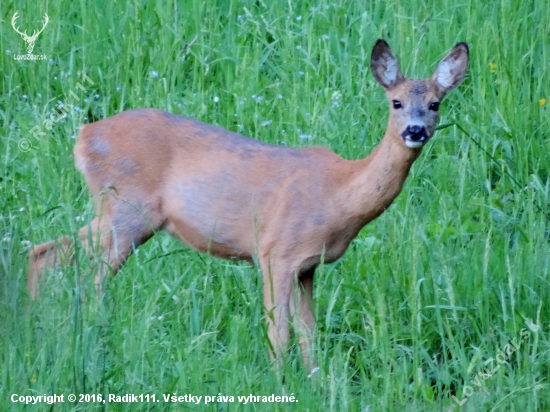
378,178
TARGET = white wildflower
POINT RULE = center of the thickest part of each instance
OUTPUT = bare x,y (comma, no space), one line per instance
336,97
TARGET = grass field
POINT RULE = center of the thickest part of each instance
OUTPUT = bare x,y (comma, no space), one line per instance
420,309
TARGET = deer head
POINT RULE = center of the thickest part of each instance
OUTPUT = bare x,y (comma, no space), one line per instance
414,103
29,39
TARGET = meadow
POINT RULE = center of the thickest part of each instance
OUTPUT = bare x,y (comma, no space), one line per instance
441,304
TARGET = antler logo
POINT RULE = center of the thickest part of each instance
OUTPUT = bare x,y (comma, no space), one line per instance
29,39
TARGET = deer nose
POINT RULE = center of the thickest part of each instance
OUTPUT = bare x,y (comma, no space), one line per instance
416,133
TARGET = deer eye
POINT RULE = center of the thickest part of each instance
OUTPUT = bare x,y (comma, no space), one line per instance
434,106
397,104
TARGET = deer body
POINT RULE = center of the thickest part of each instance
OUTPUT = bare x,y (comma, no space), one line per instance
231,196
287,209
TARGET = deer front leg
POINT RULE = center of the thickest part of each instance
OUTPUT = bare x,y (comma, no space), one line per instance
301,311
277,290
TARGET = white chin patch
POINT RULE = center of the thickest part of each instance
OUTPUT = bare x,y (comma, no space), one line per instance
413,145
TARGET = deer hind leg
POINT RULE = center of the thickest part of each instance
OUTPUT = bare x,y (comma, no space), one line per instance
51,255
131,223
301,311
46,255
111,236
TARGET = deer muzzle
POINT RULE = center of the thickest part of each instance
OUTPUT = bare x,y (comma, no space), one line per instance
415,136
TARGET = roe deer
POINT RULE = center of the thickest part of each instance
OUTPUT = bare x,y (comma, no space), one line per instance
221,193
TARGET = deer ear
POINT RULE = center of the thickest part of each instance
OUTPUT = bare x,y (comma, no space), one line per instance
451,70
384,65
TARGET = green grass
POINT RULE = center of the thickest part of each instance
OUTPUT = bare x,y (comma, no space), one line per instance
424,297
